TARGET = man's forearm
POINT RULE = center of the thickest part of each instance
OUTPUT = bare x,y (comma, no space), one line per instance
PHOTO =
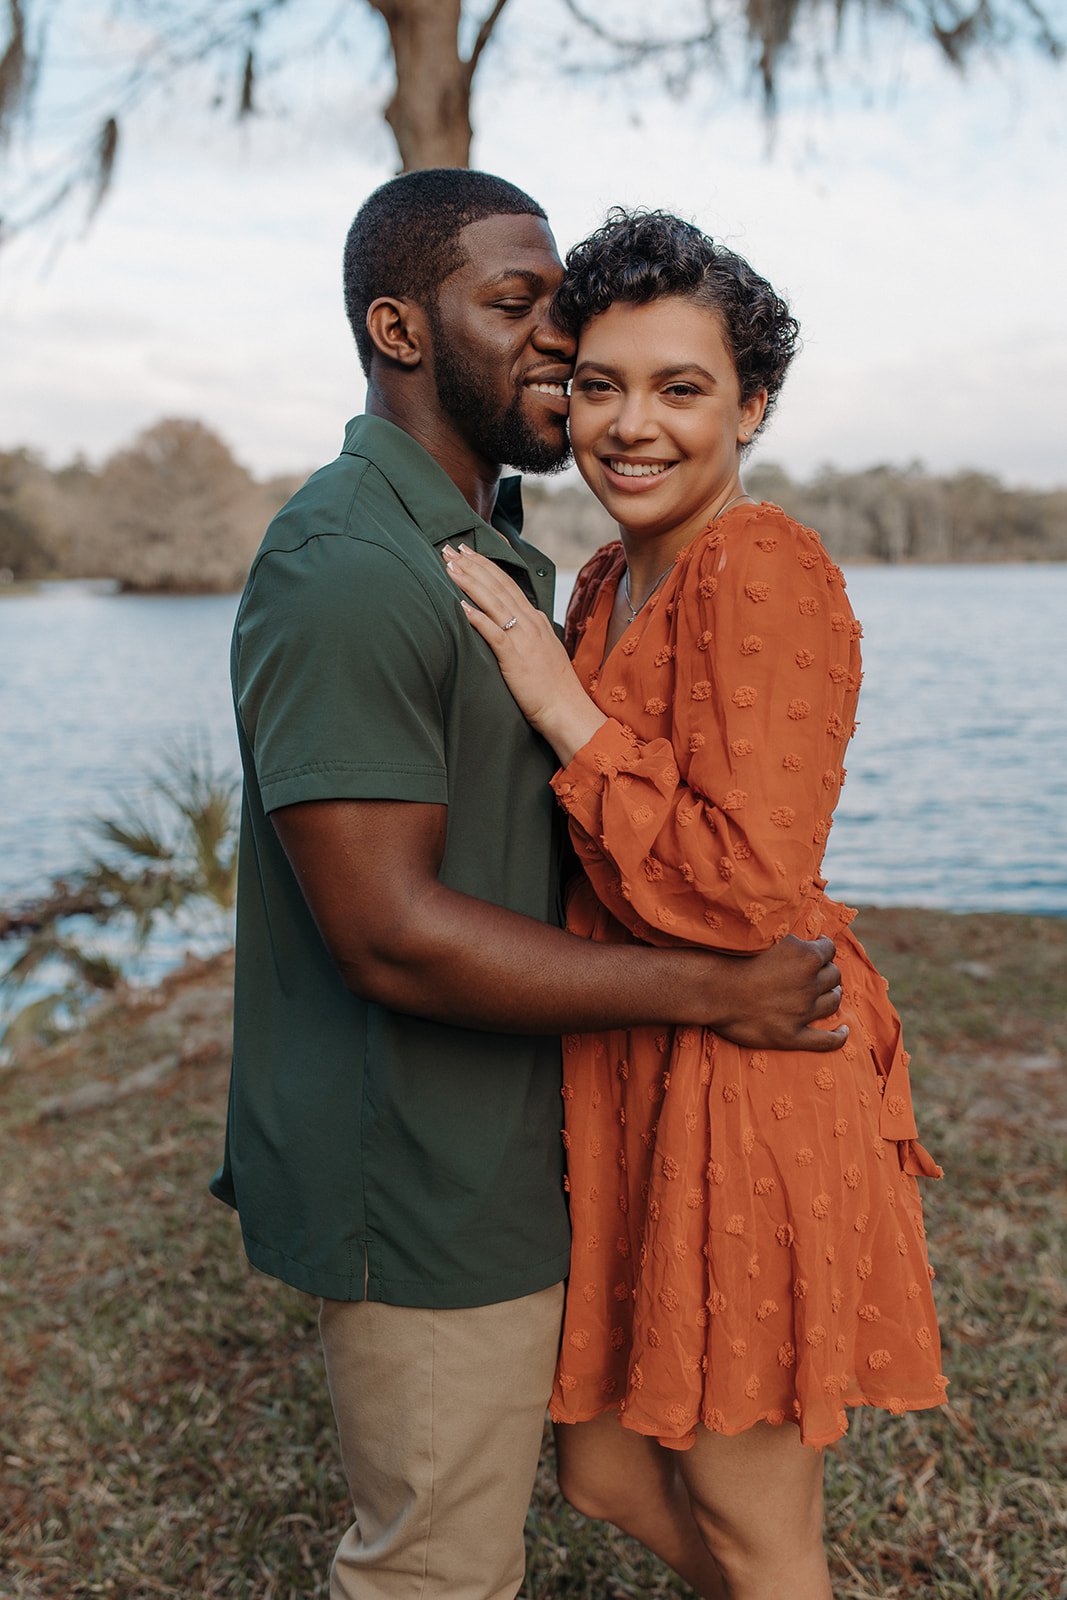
369,873
463,961
476,965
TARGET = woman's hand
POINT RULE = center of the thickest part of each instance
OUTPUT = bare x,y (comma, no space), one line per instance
533,662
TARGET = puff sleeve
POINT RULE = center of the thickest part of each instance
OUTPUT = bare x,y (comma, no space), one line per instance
713,831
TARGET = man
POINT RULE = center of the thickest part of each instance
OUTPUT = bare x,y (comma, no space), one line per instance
393,1142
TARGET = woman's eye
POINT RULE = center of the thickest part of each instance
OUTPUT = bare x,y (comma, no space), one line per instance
595,386
681,390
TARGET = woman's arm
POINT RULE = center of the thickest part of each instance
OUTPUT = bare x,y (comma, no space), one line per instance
712,833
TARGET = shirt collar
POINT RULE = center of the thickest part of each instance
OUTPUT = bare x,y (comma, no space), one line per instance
439,509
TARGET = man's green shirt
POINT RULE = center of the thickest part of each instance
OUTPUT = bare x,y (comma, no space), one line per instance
372,1154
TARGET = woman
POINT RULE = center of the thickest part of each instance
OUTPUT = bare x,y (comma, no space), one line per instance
748,1255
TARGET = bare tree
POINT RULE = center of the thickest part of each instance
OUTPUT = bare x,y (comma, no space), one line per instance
429,112
173,512
434,49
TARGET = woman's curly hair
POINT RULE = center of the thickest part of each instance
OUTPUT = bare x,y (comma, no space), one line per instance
638,256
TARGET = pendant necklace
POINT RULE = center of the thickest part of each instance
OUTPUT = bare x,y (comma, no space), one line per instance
627,595
627,598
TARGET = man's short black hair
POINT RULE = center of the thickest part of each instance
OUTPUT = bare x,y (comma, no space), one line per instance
404,240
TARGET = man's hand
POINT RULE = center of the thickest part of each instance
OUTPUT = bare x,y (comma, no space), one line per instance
779,994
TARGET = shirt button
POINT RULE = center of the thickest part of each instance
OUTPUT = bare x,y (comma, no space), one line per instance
542,572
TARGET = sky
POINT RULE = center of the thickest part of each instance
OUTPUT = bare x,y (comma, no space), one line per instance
914,219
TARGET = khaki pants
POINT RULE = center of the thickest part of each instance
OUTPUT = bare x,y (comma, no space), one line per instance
440,1416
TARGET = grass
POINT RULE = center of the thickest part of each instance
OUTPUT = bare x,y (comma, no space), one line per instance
165,1428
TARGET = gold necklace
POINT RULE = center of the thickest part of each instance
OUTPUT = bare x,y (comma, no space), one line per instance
626,591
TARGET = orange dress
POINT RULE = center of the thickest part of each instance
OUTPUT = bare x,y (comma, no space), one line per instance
748,1237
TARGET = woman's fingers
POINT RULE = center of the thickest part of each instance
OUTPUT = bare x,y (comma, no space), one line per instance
486,586
490,632
531,657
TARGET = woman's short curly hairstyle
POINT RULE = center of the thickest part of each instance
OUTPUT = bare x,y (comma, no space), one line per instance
638,256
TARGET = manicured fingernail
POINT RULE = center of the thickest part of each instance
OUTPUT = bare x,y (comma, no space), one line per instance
449,550
467,551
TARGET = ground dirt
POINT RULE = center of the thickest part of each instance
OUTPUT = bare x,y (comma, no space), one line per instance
164,1423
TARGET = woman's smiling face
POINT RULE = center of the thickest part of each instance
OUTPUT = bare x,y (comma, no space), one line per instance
656,416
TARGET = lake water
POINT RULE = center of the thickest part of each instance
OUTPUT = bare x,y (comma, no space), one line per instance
957,788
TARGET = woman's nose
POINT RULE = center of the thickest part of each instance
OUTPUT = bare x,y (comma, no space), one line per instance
633,420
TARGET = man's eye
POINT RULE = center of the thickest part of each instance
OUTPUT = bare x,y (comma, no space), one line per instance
515,308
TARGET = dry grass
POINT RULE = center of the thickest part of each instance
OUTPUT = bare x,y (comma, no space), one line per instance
165,1428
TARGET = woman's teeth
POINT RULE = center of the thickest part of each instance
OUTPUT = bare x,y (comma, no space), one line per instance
644,469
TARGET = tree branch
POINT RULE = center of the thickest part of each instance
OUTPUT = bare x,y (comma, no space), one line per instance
13,69
1051,43
181,36
957,28
645,46
104,153
488,24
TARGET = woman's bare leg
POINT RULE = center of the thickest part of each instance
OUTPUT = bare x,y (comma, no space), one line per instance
608,1472
757,1500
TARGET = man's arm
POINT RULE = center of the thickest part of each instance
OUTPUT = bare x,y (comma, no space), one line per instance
369,872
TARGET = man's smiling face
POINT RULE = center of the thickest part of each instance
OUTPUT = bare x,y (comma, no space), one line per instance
501,365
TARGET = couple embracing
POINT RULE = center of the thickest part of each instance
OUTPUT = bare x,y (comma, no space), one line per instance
463,841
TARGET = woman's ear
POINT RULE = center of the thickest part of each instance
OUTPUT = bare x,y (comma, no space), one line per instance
751,416
398,330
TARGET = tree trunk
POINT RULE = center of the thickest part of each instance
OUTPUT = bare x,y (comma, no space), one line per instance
430,109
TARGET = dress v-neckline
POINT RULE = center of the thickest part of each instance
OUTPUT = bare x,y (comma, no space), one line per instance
599,640
603,626
598,636
603,651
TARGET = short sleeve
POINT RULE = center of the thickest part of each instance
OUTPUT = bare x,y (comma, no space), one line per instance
340,663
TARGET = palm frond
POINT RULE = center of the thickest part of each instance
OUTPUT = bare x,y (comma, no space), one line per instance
176,849
137,836
91,969
39,1020
42,946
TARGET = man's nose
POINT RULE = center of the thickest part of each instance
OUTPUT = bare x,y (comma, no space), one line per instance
551,339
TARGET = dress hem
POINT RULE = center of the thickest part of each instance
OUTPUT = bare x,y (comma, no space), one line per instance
686,1438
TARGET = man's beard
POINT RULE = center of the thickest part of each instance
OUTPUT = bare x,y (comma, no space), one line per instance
505,436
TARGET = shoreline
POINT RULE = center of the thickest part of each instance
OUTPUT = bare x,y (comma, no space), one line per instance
110,588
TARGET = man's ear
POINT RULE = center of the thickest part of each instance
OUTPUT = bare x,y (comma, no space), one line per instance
398,329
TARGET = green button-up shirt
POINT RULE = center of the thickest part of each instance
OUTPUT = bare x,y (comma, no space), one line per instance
372,1154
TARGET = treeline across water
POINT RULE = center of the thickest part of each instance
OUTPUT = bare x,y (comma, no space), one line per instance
882,514
174,511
